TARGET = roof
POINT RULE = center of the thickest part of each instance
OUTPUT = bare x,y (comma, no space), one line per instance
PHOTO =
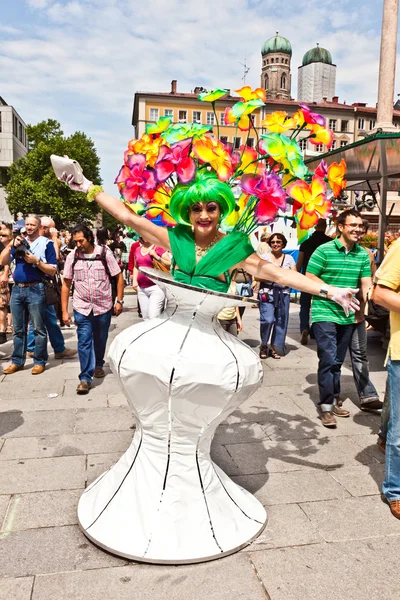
317,55
277,43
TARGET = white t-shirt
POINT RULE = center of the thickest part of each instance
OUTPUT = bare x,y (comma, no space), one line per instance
286,262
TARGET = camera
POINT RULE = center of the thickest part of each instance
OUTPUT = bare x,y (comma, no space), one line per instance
22,249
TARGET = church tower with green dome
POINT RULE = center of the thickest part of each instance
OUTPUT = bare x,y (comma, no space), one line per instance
317,76
275,74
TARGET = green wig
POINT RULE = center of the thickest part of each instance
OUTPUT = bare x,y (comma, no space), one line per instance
206,187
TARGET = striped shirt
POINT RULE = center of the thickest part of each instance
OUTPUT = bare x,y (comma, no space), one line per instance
340,268
92,286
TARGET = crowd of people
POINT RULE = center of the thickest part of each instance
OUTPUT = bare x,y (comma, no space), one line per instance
43,270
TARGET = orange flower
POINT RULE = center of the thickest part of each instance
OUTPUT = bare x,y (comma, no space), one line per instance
278,122
321,135
149,145
311,199
248,94
336,174
212,151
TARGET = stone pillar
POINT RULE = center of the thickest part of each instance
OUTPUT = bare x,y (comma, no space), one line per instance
387,66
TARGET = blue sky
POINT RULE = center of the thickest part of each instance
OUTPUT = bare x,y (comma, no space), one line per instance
81,61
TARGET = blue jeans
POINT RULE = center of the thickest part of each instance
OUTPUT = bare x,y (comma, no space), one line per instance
359,363
391,484
29,303
305,307
274,317
92,334
385,414
53,329
332,343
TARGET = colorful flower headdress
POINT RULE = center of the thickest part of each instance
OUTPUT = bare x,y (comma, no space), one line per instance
263,177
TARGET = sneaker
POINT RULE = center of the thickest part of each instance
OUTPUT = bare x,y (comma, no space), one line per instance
67,353
371,404
304,337
83,387
3,337
340,412
99,372
382,445
327,419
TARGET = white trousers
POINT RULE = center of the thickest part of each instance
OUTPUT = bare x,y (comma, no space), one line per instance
151,300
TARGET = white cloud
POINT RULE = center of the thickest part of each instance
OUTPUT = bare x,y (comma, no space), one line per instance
84,59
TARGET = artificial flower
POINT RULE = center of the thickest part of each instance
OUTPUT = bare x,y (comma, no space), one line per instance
247,160
135,180
267,188
231,220
312,201
176,159
212,96
248,94
182,131
243,123
246,108
148,145
159,126
285,151
212,151
321,170
321,136
278,122
336,174
274,145
311,118
159,206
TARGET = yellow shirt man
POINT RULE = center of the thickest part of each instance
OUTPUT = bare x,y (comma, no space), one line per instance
388,276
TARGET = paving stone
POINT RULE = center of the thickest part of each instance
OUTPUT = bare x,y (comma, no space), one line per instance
116,400
50,550
217,580
239,433
361,480
66,445
4,502
356,570
62,402
294,455
369,444
352,518
37,475
97,464
42,509
104,419
26,424
101,387
292,487
223,459
19,588
15,387
287,526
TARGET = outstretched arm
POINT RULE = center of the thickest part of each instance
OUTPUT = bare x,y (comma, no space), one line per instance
266,271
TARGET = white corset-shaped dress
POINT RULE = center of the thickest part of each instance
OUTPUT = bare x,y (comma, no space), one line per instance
165,501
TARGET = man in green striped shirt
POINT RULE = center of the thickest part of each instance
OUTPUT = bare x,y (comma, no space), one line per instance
342,263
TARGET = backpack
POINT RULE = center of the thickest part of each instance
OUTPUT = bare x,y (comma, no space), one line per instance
103,259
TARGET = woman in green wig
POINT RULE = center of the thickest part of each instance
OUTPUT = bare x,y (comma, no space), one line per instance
202,255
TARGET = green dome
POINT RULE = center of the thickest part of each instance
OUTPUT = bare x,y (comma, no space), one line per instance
317,55
277,44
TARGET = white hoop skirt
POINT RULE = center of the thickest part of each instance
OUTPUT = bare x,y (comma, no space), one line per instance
165,501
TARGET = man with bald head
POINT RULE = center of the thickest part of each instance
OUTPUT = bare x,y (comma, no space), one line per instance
48,230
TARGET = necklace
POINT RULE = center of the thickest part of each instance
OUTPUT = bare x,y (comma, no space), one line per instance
200,251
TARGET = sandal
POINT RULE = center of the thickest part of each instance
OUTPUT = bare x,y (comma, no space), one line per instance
263,351
273,354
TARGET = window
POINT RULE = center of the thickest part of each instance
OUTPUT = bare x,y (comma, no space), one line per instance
267,61
319,147
283,81
154,114
0,123
222,117
169,112
266,82
250,142
345,126
20,135
15,126
237,142
277,60
182,116
343,143
361,123
332,124
224,139
372,124
210,118
333,145
303,145
196,116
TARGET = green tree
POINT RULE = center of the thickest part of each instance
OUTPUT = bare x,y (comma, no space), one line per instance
33,187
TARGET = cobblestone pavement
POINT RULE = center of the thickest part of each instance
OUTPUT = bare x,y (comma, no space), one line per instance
329,536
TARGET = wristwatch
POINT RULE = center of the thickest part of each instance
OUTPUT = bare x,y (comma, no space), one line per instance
121,302
324,290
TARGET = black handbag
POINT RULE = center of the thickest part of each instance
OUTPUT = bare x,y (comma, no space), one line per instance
52,289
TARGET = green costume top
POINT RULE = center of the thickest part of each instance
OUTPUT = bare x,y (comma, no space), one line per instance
227,252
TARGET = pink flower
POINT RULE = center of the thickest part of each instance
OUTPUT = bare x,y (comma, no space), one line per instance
312,118
268,189
176,159
135,180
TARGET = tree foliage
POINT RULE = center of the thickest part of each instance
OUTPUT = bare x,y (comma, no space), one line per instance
33,187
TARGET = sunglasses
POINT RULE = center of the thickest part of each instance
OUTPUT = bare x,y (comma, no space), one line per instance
210,208
278,242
